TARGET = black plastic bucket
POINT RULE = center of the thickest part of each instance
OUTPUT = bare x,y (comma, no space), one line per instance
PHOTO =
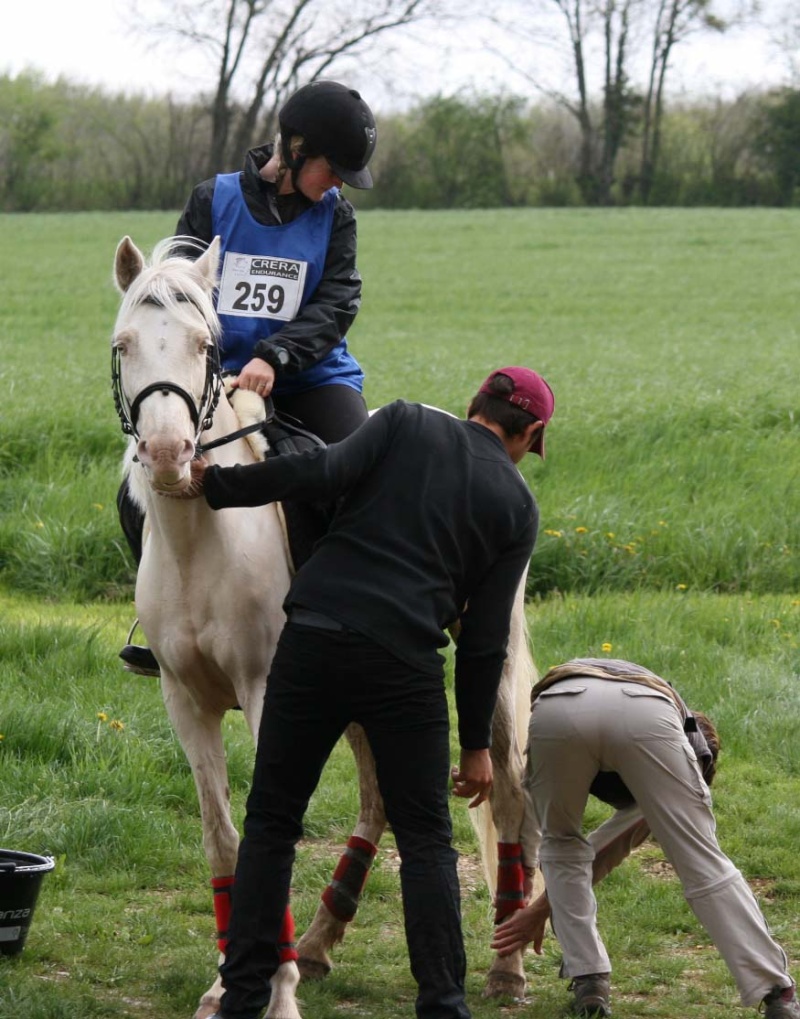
21,877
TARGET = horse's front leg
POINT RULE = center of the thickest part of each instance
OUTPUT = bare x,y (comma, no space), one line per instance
200,735
340,898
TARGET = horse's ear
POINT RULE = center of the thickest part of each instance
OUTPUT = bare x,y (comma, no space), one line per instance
128,263
207,265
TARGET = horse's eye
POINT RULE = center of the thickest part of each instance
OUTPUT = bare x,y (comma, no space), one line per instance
122,341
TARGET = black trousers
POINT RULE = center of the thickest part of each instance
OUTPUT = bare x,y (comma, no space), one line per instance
331,412
319,682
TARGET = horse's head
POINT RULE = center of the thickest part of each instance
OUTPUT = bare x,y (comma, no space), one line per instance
165,363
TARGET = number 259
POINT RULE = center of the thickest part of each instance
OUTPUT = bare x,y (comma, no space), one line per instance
255,297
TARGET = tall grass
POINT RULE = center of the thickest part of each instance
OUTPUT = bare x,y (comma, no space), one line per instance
90,772
670,338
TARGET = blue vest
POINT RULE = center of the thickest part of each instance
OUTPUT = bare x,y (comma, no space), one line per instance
304,240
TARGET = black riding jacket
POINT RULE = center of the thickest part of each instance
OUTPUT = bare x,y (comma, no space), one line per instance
333,306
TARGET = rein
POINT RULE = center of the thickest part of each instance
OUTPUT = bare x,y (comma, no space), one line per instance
239,434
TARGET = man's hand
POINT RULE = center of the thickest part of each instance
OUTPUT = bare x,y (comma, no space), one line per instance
256,375
195,487
522,927
474,777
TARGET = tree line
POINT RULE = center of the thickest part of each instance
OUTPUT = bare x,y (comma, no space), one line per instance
66,147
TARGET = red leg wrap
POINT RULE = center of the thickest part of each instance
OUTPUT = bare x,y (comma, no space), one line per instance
510,880
223,887
286,950
342,894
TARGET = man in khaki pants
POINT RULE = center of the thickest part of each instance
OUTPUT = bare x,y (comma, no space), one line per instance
592,717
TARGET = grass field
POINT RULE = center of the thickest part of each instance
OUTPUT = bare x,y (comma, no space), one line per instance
669,531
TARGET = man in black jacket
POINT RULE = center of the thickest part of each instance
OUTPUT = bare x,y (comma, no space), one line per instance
435,524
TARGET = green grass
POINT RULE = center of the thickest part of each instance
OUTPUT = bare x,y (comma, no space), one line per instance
124,924
669,531
670,338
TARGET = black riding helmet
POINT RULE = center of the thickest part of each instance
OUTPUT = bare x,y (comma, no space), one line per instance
336,123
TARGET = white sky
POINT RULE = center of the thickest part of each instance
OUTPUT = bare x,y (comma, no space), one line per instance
86,41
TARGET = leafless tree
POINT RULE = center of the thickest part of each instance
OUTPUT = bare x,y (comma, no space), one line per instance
784,27
674,21
611,34
261,50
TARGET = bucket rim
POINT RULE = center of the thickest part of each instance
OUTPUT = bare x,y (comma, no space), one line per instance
27,863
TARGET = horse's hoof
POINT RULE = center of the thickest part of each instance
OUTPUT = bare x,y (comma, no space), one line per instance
504,985
312,969
206,1008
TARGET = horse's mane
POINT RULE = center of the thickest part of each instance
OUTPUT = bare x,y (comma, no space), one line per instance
169,280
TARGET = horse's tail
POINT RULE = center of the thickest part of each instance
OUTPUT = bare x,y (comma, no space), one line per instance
514,699
483,823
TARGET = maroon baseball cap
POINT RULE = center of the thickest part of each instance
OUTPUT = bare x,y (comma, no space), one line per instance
531,393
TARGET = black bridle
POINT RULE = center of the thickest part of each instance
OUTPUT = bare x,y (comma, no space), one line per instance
202,414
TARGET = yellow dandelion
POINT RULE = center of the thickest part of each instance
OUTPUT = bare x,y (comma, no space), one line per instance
662,523
552,533
581,530
776,623
102,716
796,601
607,646
116,725
630,548
2,737
39,524
97,505
681,587
610,534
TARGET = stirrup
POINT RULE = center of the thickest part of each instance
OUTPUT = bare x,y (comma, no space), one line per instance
137,658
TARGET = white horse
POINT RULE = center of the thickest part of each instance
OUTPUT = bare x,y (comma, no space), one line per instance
209,596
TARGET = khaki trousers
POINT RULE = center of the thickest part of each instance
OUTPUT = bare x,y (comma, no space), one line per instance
586,724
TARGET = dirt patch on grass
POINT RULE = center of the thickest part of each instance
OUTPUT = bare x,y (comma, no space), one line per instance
470,869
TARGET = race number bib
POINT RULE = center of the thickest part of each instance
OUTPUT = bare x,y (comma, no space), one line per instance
261,287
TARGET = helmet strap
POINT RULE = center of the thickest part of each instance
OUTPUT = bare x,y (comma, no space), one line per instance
292,162
296,166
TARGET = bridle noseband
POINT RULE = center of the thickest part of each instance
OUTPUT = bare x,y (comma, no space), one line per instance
202,415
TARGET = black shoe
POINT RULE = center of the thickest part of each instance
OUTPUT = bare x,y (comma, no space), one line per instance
591,995
781,1003
140,660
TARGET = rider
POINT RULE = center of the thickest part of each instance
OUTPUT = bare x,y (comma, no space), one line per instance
289,287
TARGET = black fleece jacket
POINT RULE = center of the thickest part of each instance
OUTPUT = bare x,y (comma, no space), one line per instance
434,517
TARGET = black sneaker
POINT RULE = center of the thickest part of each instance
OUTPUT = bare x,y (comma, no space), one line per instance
781,1003
592,995
140,660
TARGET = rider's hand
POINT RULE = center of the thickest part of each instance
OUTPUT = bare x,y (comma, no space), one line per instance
256,375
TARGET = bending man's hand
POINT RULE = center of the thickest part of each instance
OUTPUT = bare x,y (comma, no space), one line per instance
474,776
522,927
